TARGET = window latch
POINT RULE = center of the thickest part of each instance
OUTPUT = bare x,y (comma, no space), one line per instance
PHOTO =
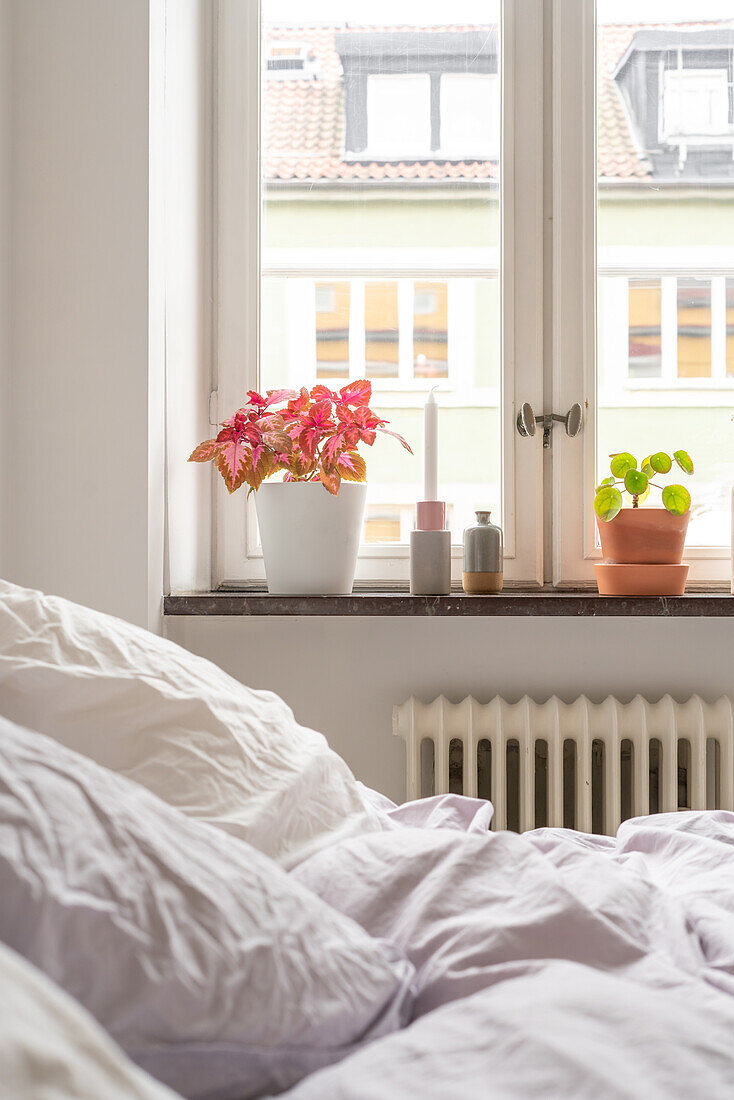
213,408
526,421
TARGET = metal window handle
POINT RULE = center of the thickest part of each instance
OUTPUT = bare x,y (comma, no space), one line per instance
526,421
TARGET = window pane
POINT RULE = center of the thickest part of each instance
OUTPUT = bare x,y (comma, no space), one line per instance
380,235
332,330
665,241
694,328
399,115
430,330
729,306
645,311
381,329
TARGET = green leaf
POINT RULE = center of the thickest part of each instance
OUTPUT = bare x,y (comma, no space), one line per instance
676,499
646,467
607,503
605,481
684,461
661,462
635,482
621,463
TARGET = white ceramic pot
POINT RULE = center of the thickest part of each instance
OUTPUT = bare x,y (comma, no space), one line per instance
310,538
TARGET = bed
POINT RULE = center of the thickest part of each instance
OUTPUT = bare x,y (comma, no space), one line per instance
222,911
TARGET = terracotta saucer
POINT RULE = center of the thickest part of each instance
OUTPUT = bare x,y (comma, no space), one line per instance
641,580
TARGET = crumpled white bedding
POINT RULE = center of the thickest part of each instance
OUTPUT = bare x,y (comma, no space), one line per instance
551,964
209,965
218,751
51,1049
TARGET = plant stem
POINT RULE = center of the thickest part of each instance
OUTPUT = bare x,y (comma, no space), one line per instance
635,501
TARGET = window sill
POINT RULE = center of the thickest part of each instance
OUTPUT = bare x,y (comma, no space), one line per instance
587,603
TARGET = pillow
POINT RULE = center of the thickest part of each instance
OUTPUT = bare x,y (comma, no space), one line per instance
175,723
207,963
51,1049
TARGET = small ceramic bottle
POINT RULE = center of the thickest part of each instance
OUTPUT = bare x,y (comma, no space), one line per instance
482,572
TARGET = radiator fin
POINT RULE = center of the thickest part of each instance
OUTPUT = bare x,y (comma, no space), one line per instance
625,730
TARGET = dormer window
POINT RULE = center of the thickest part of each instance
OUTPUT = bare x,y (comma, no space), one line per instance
424,94
290,61
695,104
399,116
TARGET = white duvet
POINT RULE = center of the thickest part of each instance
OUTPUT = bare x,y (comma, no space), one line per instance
218,751
549,965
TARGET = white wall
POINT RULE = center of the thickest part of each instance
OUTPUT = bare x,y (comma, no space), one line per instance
5,159
77,506
343,676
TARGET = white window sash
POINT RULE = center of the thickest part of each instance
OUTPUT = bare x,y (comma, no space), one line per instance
574,305
237,558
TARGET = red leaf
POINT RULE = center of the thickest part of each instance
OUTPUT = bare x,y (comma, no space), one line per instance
331,450
299,403
386,431
256,399
204,452
356,393
309,440
274,396
323,393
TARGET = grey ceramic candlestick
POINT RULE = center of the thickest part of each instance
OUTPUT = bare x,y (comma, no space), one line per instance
430,563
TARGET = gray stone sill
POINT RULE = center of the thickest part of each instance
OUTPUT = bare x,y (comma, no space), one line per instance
710,603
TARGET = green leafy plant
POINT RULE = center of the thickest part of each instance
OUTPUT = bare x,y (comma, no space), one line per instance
636,481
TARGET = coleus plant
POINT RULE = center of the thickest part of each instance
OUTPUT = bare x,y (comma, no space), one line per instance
313,437
638,482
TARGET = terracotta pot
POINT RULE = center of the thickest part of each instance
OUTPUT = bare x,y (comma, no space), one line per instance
643,536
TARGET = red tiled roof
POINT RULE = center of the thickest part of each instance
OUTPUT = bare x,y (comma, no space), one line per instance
303,121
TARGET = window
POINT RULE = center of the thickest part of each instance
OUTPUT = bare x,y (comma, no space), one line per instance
399,116
377,242
289,61
395,231
669,331
644,250
695,103
468,115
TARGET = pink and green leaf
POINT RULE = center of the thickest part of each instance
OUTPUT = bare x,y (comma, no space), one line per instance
352,466
205,452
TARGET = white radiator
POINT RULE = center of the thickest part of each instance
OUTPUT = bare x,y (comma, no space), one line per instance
585,765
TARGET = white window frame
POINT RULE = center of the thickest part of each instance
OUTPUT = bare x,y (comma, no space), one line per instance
237,559
574,304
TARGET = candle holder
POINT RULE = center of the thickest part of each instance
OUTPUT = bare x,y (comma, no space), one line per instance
430,563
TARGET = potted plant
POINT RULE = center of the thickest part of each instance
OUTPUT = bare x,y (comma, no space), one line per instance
310,520
642,547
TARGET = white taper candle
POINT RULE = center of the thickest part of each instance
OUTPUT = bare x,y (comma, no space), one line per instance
430,449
